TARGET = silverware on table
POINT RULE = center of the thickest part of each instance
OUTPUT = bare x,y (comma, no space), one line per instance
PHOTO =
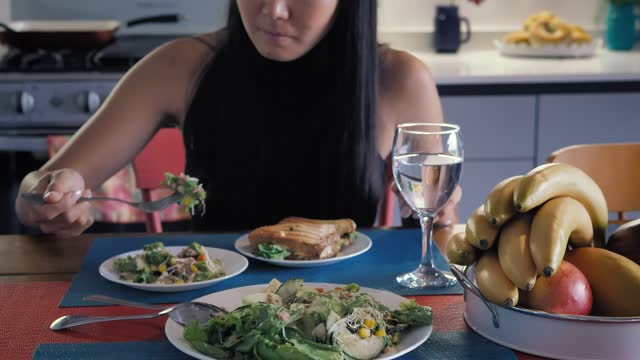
146,206
182,313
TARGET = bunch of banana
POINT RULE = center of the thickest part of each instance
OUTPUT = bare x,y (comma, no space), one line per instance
557,179
559,221
532,218
479,232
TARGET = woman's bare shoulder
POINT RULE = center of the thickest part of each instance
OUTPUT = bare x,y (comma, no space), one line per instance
187,52
403,72
407,86
180,62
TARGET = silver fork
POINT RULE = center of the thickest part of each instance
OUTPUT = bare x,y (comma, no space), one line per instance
146,206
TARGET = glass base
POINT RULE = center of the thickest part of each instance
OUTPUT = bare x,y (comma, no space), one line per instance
426,277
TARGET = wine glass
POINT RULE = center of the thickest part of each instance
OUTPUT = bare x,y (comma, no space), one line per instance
427,164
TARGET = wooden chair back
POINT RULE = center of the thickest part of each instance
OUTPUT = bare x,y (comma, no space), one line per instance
614,167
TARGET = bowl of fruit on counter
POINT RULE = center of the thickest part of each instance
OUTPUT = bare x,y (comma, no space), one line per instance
537,275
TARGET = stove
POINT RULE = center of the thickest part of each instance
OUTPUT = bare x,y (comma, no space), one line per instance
46,93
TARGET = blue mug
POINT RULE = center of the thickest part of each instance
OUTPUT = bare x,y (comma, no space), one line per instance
447,34
621,27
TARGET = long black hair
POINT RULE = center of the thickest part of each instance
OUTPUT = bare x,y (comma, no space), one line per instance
354,31
334,84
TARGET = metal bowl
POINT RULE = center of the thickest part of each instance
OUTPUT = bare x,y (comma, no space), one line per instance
549,335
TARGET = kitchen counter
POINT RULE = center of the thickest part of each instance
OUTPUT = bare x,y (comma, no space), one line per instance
490,67
479,66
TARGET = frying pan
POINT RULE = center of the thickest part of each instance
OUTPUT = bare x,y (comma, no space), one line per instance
44,34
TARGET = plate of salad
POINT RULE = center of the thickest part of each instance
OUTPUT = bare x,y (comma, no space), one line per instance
307,321
173,268
276,255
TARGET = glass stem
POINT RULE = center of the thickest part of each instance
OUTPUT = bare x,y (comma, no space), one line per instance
426,222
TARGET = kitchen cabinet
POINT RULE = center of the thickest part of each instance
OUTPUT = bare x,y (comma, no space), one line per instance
570,119
507,135
499,142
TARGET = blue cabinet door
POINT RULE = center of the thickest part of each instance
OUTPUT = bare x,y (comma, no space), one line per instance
480,176
586,119
498,133
494,127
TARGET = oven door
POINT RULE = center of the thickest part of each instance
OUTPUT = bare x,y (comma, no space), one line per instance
32,141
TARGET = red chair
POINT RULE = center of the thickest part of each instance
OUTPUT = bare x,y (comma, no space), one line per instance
164,153
388,203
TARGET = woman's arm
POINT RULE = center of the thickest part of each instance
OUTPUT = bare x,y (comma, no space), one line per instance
409,94
154,90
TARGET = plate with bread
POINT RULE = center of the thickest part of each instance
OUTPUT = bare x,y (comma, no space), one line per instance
544,34
303,242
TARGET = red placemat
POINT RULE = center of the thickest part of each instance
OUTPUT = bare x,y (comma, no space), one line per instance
29,308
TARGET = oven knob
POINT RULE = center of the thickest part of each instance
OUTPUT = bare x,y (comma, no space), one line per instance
25,102
91,102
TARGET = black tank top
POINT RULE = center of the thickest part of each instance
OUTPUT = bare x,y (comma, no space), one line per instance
262,158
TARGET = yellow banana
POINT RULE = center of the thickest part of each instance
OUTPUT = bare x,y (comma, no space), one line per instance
459,251
499,203
558,221
557,179
614,280
492,281
514,252
479,232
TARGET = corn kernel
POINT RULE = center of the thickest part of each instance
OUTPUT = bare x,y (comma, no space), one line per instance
364,332
172,261
370,323
179,281
162,267
194,268
380,332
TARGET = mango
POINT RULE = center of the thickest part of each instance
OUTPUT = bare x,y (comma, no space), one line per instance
614,280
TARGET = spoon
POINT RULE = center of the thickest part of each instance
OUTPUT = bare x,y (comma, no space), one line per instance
182,313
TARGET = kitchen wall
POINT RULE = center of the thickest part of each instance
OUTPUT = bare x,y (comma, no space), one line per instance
491,15
4,10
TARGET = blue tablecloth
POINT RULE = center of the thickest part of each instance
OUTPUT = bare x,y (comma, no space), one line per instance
440,346
392,252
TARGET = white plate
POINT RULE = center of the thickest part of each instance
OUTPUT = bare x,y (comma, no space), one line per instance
360,245
231,299
232,263
549,50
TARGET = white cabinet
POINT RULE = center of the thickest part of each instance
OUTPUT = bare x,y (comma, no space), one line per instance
499,142
571,119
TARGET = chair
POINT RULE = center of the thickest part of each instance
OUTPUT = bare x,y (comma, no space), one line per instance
164,153
614,167
388,202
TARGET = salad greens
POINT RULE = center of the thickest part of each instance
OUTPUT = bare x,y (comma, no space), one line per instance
156,265
272,251
292,321
194,193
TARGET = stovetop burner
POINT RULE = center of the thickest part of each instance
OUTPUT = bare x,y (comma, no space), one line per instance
39,60
116,57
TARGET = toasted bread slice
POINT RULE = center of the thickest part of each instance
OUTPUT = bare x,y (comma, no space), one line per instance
305,240
343,226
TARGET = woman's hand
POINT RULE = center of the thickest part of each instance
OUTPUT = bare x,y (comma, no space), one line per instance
448,215
61,214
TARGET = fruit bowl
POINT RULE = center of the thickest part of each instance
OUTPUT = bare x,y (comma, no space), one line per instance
546,334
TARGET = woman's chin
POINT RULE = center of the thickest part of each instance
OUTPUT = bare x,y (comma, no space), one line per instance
279,53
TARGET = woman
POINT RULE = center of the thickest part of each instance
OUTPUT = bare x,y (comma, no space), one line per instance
289,111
